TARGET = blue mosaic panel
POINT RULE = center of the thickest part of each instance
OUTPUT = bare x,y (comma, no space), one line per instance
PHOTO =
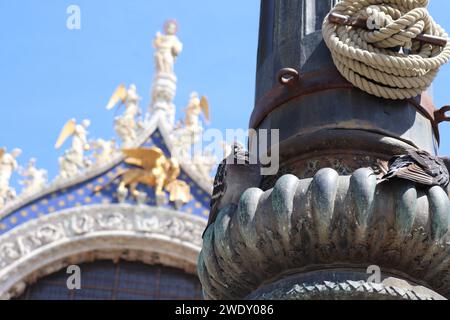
83,194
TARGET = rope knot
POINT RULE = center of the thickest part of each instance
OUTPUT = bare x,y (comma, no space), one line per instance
376,19
371,58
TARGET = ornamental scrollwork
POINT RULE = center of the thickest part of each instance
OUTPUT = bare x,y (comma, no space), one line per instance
84,221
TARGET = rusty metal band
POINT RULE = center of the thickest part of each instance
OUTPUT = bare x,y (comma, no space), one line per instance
292,86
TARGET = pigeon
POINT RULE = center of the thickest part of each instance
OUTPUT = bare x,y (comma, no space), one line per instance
420,167
234,176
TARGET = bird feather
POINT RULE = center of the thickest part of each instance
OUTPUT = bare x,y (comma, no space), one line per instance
219,189
420,167
416,174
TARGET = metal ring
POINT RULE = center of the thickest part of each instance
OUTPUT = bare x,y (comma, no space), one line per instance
288,76
441,114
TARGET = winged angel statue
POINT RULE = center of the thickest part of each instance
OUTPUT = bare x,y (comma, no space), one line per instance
127,125
194,109
73,160
151,168
190,130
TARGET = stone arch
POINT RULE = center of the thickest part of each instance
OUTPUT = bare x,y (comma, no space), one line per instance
135,233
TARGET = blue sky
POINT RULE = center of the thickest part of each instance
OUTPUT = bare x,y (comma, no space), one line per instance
49,74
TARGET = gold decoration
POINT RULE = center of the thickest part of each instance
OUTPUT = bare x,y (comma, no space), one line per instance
153,169
179,191
204,104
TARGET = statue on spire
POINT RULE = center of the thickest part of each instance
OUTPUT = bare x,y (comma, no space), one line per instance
168,47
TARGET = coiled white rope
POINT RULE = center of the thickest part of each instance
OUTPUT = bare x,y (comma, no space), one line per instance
366,57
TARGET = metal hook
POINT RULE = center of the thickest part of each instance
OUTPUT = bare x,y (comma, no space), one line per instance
362,23
287,76
441,114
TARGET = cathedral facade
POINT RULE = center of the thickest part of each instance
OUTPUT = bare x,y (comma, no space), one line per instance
125,216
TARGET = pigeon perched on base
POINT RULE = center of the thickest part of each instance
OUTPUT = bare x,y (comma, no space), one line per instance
235,175
420,167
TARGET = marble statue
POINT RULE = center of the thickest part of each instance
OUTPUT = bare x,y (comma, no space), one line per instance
189,131
73,161
127,125
8,164
168,47
194,110
34,179
103,150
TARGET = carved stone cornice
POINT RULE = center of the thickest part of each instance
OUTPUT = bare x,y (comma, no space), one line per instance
33,249
329,221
